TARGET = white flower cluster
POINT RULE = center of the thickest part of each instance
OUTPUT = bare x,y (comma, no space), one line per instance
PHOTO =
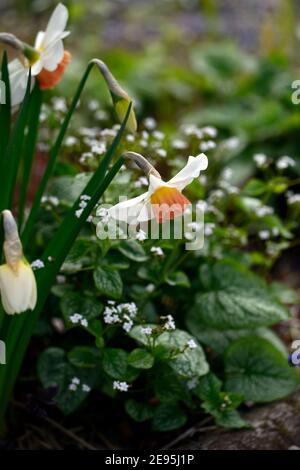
75,382
82,205
121,386
78,318
169,323
37,264
207,145
123,314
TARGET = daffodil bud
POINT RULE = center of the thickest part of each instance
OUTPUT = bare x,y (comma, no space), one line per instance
120,97
17,282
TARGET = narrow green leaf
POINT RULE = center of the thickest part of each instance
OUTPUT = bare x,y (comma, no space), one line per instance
29,146
5,111
13,151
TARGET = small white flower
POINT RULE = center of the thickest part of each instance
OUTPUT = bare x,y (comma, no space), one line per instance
157,251
209,229
72,387
207,145
169,322
37,264
264,210
158,135
121,386
86,388
192,383
293,198
84,322
161,153
141,235
260,159
210,131
103,213
99,149
70,141
75,381
227,173
179,144
150,288
264,234
78,213
150,123
130,138
192,344
147,330
285,162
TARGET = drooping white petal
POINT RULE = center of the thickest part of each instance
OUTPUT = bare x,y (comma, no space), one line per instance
37,67
18,75
189,172
56,24
18,290
129,210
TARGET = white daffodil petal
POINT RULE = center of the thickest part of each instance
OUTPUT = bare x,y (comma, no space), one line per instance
18,75
155,183
18,290
39,40
189,172
37,67
56,24
52,56
128,210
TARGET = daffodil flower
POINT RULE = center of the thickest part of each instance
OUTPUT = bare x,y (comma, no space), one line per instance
17,282
163,200
47,59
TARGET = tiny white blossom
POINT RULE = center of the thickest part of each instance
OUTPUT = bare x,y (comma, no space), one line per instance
158,135
264,234
161,153
99,149
260,159
192,344
147,330
285,162
103,213
157,250
121,386
84,322
86,388
130,138
150,123
72,387
192,383
169,322
37,264
141,235
75,381
293,198
179,144
210,131
150,288
264,210
70,141
207,145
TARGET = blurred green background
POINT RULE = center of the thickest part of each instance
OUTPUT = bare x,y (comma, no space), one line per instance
225,63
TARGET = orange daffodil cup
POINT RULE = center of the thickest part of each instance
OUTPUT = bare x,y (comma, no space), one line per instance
163,200
47,59
17,282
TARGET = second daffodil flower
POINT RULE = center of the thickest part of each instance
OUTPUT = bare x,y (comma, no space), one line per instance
17,282
47,59
163,200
